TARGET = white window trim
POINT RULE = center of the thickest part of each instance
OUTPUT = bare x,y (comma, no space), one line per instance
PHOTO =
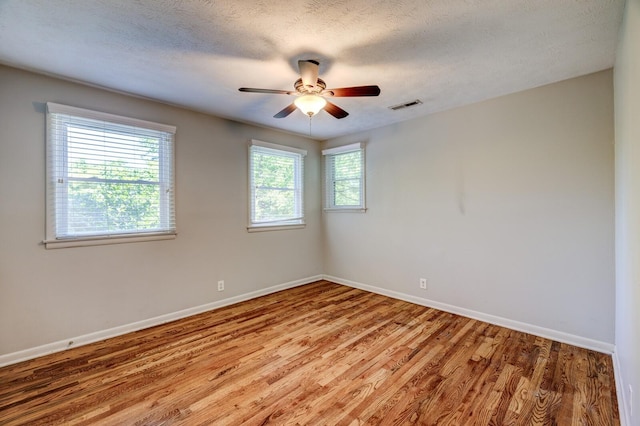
51,242
266,228
280,225
359,146
255,142
344,148
112,118
106,240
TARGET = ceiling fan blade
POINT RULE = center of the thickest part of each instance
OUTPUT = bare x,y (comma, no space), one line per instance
353,91
309,72
288,110
272,91
335,110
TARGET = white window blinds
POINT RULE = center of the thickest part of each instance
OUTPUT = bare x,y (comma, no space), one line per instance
276,176
107,176
344,178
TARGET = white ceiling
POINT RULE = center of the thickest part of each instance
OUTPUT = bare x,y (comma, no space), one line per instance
197,53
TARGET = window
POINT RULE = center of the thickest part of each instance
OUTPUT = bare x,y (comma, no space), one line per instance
275,186
344,178
110,179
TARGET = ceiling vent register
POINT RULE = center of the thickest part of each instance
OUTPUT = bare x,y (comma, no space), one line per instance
406,105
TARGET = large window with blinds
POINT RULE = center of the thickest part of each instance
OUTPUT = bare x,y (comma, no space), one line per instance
344,178
276,177
110,179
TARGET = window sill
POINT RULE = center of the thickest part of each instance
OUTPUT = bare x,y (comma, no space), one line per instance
275,227
347,210
105,240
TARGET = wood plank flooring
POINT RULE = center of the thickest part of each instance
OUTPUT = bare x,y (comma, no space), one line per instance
319,354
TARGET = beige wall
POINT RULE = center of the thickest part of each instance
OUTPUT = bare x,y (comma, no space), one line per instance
49,295
505,206
627,125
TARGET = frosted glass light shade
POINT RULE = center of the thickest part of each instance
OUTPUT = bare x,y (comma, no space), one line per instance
310,104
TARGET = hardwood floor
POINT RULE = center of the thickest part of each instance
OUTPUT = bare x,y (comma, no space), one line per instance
316,354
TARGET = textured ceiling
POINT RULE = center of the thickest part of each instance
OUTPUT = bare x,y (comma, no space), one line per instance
197,53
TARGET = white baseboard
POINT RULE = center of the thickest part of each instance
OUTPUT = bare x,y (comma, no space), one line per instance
15,357
623,403
547,333
72,342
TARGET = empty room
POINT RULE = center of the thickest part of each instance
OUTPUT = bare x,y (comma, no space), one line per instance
319,212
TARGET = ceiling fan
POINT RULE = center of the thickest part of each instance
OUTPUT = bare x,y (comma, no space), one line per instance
311,92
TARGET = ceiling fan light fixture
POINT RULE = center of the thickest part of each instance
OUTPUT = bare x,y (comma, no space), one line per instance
310,104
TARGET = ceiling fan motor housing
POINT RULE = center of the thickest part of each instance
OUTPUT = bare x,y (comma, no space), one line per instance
317,89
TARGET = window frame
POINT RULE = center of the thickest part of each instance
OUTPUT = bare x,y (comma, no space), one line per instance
295,222
57,201
329,178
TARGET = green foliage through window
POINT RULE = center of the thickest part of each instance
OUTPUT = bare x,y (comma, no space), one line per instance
344,178
276,186
108,178
347,170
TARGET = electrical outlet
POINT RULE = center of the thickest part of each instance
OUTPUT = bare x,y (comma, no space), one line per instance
423,283
221,285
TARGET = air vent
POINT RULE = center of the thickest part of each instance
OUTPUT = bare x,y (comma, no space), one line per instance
406,105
